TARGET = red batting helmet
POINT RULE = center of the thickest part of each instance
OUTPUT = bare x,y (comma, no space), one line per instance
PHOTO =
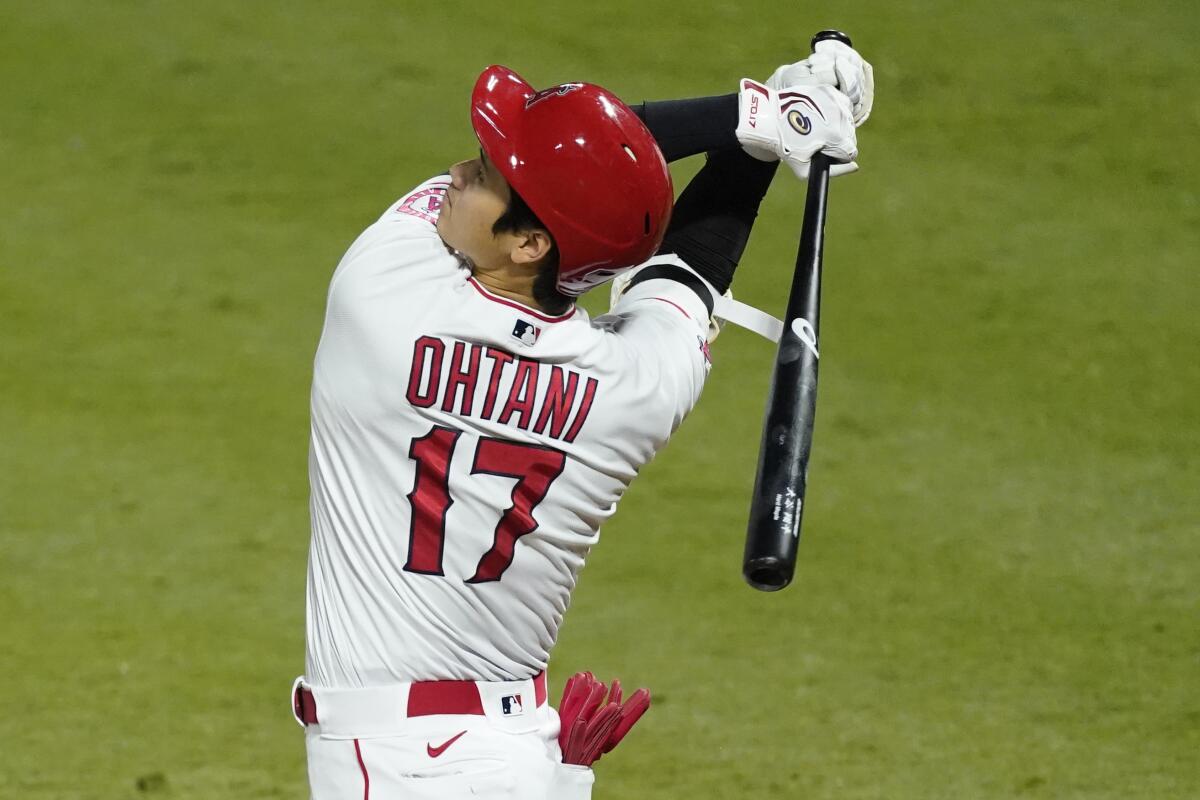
584,163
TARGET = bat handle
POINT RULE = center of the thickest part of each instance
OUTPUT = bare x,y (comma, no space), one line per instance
836,36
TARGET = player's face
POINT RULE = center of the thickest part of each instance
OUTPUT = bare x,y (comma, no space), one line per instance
477,196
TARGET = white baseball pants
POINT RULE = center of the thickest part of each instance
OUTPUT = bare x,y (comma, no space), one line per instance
366,746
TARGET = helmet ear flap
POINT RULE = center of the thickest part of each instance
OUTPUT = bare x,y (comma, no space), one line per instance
584,163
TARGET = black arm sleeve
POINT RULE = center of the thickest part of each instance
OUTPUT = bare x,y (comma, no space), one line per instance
687,127
711,223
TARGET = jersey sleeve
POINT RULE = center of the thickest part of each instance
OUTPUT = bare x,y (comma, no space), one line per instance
662,317
668,281
404,241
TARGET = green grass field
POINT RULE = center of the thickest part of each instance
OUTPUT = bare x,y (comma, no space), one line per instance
999,587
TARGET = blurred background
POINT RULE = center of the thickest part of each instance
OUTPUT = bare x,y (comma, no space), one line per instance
998,593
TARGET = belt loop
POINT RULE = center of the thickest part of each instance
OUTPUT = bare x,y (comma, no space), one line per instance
539,687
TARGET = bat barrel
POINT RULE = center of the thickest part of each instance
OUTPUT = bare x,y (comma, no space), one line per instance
777,505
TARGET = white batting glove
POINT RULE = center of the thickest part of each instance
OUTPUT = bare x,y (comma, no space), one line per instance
794,123
836,64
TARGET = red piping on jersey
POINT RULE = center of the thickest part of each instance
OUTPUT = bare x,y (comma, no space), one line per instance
520,307
363,767
668,302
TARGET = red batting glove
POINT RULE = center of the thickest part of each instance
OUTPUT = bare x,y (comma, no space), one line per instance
631,712
592,725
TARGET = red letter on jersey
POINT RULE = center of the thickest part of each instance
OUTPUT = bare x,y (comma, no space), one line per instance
522,395
422,394
589,394
556,408
460,377
499,360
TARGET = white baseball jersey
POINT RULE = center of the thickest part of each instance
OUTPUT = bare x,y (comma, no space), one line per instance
466,450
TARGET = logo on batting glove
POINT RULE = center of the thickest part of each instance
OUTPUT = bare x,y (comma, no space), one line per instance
800,123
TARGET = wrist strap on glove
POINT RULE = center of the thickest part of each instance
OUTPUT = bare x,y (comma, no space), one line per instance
758,120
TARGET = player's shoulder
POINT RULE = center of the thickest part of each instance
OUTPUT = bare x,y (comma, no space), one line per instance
402,241
654,335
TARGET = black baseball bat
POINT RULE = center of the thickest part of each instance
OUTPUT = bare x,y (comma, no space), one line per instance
777,505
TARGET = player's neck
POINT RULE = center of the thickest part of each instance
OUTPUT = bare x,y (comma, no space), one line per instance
509,281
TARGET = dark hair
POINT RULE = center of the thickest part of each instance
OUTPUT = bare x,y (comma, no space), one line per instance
520,217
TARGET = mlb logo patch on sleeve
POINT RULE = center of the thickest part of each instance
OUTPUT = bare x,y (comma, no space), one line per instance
511,706
526,332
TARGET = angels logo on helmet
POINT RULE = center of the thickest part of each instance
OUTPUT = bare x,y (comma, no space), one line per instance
559,91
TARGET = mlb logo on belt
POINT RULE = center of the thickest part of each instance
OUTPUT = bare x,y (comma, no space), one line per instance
510,705
526,332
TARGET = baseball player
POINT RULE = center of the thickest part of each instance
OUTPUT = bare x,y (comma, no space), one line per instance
472,428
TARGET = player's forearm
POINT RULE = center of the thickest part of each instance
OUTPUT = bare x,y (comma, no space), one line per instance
711,223
688,127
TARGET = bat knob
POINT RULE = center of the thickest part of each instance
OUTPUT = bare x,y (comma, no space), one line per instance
768,573
837,36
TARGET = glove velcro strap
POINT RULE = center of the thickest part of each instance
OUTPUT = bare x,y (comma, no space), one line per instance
758,120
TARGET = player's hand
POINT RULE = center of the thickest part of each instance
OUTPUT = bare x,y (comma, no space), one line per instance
835,64
794,123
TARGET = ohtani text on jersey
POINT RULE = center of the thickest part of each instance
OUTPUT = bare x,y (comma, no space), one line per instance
484,382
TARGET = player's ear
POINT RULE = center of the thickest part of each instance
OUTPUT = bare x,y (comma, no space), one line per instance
530,246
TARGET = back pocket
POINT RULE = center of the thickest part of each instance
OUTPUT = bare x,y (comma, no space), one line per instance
478,777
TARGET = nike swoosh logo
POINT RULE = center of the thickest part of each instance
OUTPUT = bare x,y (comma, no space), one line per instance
434,752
